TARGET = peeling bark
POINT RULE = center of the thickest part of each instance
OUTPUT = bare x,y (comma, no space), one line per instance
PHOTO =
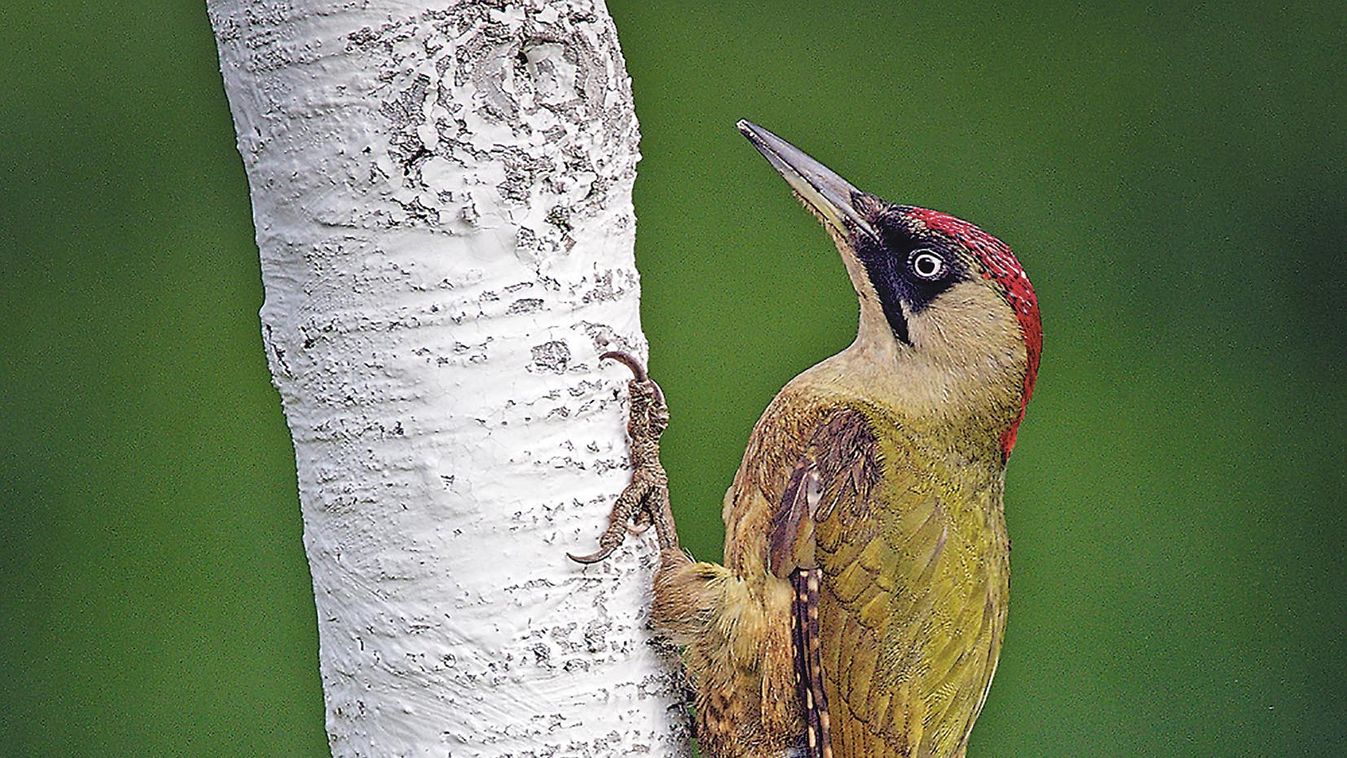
442,196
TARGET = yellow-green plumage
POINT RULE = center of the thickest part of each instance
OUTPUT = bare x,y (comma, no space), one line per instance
913,605
914,566
862,601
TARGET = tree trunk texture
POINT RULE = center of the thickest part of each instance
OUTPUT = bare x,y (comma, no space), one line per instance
442,197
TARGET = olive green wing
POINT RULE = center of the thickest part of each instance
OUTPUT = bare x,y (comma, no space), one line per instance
887,647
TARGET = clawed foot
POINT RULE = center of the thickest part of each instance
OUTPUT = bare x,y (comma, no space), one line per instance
645,501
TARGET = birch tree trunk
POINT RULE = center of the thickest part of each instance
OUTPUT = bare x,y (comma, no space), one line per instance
442,196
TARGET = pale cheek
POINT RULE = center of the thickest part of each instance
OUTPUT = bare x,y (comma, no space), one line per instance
969,342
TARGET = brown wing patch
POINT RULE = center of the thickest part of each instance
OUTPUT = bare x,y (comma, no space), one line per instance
837,469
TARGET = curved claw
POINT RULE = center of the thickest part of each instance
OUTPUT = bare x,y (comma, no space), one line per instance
637,492
593,557
628,360
638,371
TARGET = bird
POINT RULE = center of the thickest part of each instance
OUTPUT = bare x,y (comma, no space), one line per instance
861,603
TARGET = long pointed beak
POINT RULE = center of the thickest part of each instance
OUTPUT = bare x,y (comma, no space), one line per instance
824,190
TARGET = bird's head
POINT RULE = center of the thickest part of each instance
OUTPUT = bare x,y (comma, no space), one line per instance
945,307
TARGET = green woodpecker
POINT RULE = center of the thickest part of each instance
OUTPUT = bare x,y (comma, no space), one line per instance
862,601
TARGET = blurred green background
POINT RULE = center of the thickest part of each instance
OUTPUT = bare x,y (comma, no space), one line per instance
1173,176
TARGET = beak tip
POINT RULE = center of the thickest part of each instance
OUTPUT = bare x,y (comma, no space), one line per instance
814,182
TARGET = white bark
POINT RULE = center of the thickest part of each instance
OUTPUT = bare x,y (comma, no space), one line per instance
442,196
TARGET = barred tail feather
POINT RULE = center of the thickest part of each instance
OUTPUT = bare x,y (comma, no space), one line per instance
809,665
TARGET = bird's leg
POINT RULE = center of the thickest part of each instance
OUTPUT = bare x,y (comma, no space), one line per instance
736,637
645,501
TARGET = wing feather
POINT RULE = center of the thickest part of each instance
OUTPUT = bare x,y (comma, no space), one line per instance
895,646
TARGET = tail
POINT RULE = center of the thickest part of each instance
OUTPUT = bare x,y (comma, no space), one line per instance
809,665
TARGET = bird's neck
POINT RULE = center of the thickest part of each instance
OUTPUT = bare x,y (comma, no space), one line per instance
964,411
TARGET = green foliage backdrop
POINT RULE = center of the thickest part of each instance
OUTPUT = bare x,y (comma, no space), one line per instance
1173,176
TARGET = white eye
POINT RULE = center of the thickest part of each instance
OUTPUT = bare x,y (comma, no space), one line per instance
926,264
